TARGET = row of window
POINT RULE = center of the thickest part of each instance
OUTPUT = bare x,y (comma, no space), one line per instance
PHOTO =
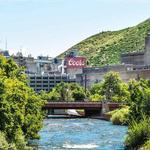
41,82
38,86
33,78
42,86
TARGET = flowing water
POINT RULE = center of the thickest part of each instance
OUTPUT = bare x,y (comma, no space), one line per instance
70,134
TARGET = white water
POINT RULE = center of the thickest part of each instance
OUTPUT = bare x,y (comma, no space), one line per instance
81,146
80,134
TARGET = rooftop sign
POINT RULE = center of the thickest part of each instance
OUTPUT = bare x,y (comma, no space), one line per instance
75,62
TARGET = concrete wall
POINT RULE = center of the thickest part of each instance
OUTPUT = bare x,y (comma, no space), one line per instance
144,74
94,75
136,58
31,66
73,71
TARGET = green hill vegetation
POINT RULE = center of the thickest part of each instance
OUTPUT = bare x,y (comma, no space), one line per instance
106,47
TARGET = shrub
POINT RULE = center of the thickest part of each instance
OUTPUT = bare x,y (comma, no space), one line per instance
78,95
120,116
96,98
54,96
138,134
147,145
112,112
3,143
20,141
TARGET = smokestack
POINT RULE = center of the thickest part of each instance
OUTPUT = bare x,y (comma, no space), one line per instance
147,42
147,50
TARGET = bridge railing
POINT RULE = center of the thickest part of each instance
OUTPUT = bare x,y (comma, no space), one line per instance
85,102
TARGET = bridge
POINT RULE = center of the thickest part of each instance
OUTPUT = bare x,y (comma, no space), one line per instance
90,108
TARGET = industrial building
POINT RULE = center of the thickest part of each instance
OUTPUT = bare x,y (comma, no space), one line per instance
133,65
47,82
45,72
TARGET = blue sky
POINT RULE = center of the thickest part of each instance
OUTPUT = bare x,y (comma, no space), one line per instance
49,27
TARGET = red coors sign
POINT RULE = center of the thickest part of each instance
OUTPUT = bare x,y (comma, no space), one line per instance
76,62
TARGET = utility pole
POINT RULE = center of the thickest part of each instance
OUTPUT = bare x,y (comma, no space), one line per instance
67,94
85,78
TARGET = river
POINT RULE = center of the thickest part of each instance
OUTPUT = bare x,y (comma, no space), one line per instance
91,134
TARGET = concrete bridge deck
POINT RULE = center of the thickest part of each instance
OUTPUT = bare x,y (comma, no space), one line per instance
79,105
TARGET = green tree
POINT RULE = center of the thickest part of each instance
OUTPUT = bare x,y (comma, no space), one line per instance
68,92
44,95
96,88
78,95
113,88
139,99
54,96
63,89
77,92
21,113
139,113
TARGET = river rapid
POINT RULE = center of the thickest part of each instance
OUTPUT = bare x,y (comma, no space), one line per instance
70,134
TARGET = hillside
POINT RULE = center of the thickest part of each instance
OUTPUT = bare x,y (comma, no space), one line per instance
106,47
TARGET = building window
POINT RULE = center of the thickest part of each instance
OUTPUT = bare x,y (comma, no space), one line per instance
38,85
51,85
32,85
45,85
